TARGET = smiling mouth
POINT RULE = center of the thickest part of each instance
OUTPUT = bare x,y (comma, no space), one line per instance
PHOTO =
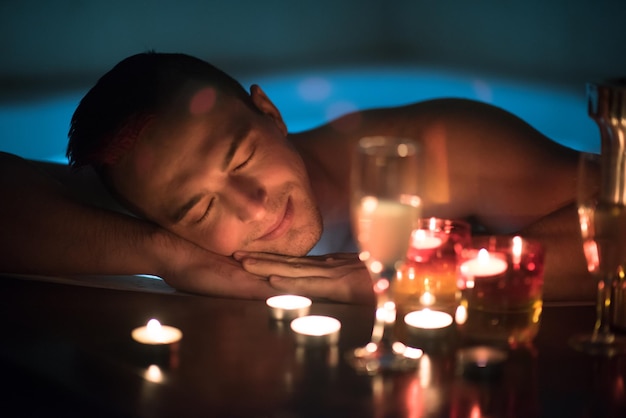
282,225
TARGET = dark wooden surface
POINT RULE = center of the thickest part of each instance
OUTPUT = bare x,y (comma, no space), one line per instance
66,351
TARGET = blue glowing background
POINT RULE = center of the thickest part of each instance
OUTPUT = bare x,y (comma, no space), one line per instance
37,129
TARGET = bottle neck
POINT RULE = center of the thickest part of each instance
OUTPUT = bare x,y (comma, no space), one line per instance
607,107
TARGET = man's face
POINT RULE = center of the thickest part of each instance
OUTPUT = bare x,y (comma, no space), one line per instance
223,176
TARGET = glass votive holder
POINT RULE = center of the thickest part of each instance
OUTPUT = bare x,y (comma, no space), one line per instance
501,287
427,278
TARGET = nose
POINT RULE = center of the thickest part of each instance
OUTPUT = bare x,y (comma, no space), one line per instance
246,198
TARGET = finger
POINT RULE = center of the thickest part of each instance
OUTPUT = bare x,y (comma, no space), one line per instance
286,269
267,260
241,255
316,287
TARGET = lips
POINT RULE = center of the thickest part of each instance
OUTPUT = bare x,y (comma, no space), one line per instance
282,224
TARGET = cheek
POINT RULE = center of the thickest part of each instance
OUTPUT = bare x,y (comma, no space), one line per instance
224,238
289,168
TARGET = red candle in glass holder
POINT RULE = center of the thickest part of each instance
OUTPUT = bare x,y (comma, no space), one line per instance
501,282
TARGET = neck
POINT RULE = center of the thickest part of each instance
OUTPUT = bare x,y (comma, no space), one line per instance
329,187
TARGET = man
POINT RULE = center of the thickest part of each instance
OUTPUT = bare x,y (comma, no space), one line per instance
223,201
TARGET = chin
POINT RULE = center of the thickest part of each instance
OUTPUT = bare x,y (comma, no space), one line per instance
305,242
297,242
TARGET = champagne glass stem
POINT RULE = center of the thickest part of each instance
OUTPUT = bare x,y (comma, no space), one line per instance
384,352
382,332
602,341
602,331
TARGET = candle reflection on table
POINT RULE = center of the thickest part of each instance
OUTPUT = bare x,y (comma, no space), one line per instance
153,374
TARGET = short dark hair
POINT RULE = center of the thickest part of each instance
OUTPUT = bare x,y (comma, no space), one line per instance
110,116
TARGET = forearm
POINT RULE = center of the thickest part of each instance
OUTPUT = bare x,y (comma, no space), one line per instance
44,230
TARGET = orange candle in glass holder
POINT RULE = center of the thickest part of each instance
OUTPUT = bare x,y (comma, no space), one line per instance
428,276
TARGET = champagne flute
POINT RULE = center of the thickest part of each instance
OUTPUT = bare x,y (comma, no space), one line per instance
603,230
385,205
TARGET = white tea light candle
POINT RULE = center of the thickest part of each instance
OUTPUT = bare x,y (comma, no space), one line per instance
484,265
425,240
428,319
153,333
316,329
288,306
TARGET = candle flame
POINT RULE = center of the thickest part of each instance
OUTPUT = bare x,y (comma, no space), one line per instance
153,325
516,249
517,246
483,256
154,329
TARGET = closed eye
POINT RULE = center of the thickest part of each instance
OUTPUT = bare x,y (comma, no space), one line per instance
246,162
206,212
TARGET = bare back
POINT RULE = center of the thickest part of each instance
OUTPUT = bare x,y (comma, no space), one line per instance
480,161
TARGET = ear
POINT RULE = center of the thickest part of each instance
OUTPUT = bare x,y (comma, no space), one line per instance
265,105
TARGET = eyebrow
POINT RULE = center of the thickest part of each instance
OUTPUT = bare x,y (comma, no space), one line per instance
238,138
181,212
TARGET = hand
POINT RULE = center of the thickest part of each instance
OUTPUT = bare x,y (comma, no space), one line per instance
203,272
340,277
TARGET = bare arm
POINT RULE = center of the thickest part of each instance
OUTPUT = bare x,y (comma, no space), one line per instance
45,230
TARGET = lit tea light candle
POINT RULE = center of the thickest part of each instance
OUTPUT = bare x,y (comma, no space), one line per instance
153,333
425,240
315,329
287,307
485,264
428,319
